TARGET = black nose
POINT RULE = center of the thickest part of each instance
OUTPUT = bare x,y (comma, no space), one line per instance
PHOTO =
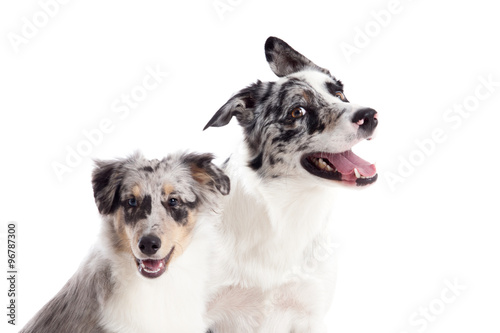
149,244
366,119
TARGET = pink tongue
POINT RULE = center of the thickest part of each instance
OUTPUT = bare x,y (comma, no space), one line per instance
152,265
346,162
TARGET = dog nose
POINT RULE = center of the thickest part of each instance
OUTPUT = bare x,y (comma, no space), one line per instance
366,119
149,244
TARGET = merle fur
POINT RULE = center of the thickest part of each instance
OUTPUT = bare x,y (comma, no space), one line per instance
79,304
263,109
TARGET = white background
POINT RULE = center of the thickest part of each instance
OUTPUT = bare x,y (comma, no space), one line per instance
399,241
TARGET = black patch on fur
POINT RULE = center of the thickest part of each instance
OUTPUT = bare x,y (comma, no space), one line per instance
106,183
332,88
269,47
147,169
193,204
314,125
141,212
179,213
286,136
271,160
256,163
336,87
249,102
146,205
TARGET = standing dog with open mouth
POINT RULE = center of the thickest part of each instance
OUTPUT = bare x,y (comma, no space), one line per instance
150,269
298,135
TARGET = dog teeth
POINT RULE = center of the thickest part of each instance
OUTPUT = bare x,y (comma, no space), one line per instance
358,175
151,272
160,266
356,172
321,164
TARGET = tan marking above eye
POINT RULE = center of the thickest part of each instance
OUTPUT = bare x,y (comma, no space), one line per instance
136,191
167,189
306,96
298,112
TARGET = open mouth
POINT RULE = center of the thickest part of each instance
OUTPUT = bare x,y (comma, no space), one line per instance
153,268
345,167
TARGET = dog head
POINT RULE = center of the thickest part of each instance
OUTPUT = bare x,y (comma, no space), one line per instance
301,125
153,206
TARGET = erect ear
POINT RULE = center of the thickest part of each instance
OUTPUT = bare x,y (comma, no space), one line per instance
240,105
107,178
284,60
208,174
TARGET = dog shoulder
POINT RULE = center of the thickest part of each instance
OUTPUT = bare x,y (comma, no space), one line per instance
78,305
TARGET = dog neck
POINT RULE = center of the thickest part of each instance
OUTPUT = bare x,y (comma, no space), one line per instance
276,222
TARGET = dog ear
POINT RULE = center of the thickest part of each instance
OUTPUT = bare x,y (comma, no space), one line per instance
284,60
240,105
208,174
107,178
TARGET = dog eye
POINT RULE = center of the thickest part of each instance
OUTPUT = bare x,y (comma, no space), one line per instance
132,202
340,95
173,202
298,112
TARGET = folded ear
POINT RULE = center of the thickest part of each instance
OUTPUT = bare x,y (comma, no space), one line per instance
240,105
107,178
208,174
284,60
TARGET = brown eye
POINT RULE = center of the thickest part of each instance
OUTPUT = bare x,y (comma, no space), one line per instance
298,112
340,95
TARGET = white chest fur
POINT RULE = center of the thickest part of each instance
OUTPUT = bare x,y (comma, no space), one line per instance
271,230
174,302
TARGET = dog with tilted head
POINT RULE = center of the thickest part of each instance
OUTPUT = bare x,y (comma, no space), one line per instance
297,137
150,269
